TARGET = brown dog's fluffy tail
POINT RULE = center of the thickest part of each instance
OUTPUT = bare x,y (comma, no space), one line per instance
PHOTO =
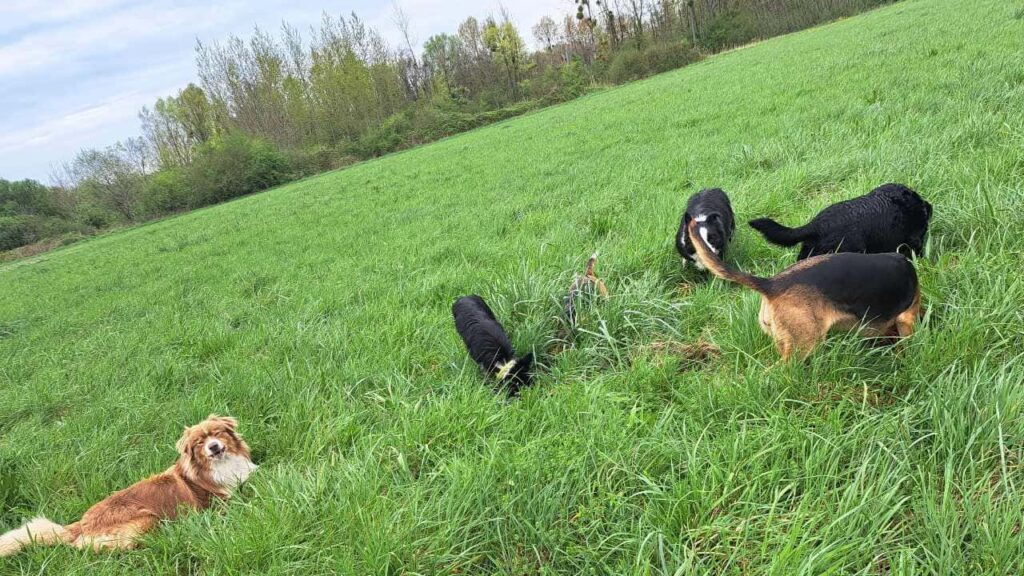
36,531
712,262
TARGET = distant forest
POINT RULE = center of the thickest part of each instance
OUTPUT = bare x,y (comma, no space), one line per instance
276,107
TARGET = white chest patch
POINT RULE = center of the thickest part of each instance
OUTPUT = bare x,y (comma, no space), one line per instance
704,234
504,369
230,471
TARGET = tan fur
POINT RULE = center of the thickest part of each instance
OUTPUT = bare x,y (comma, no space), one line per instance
592,278
588,280
798,318
118,521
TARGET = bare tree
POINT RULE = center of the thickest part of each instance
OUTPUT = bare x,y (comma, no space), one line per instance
546,33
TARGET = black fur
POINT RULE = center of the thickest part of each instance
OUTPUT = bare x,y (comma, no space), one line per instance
487,343
720,224
890,218
868,286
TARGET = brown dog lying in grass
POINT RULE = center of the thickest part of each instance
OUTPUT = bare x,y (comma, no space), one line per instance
212,461
803,302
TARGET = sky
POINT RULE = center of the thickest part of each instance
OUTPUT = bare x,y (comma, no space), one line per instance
75,73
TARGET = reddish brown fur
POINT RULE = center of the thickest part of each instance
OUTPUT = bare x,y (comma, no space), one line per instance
118,520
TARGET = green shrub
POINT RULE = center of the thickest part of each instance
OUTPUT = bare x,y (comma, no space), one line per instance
628,64
313,160
730,29
92,214
13,232
666,56
18,231
167,191
235,165
382,139
574,79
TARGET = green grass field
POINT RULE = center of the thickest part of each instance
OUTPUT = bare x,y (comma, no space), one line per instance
319,315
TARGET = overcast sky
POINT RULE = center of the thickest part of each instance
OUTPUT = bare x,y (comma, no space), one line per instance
75,73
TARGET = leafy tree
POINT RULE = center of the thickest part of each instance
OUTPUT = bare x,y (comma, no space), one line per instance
442,55
507,46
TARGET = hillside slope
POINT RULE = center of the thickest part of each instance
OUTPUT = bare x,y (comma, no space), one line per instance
318,315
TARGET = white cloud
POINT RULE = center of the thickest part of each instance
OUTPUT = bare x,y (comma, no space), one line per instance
19,14
115,33
72,124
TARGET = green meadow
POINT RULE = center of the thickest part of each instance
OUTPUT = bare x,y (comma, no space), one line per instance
663,437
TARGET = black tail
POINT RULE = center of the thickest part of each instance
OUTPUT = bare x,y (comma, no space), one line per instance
778,234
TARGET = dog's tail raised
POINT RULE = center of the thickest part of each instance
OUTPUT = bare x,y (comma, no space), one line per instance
601,288
590,265
778,234
589,278
712,262
36,531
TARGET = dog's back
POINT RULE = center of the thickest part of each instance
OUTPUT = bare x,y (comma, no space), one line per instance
884,220
866,286
484,337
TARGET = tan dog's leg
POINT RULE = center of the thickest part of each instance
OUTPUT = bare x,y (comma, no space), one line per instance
908,318
806,337
797,328
785,345
764,316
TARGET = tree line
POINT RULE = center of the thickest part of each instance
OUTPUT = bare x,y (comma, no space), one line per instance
270,108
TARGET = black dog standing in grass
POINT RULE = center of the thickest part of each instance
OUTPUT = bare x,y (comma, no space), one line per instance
488,345
713,212
886,219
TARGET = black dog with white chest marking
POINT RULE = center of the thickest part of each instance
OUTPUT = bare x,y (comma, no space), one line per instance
887,219
715,224
488,345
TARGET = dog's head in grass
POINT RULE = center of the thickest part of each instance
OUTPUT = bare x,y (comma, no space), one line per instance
213,454
489,345
712,211
516,373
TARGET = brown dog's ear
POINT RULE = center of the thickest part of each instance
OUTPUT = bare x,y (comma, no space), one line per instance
182,444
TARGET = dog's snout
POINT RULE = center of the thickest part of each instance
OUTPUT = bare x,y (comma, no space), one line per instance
215,447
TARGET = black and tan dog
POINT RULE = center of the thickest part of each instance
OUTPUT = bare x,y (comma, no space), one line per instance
488,345
890,218
833,291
